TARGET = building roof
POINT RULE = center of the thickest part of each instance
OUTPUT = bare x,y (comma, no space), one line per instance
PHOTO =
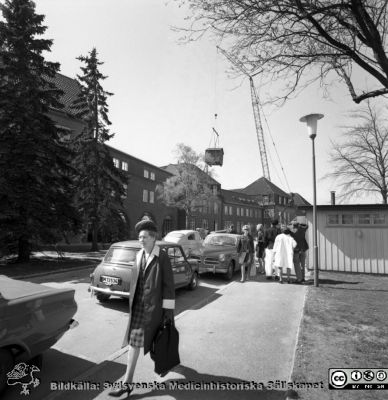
299,200
347,207
262,186
126,155
70,88
232,196
173,169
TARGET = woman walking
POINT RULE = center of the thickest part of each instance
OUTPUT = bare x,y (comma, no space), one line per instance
260,247
151,301
283,250
248,248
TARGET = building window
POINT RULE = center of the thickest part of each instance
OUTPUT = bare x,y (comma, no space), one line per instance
152,176
230,210
265,200
215,190
205,224
216,208
145,196
116,162
152,197
378,219
124,166
227,224
192,224
226,210
347,219
333,219
146,173
247,212
238,211
371,219
125,188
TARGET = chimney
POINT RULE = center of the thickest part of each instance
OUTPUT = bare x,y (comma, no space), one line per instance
332,195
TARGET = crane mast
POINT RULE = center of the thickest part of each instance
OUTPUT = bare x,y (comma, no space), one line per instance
259,130
256,114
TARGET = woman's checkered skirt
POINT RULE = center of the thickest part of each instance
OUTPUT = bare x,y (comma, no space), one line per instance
136,332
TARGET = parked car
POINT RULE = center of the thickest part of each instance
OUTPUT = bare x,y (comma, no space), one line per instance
33,318
190,241
113,275
220,254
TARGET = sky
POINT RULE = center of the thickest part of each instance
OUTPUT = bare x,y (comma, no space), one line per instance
167,93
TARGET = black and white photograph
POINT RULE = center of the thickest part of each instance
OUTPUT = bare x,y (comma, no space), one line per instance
193,199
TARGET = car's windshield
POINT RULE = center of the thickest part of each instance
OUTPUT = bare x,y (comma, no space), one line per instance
220,240
121,255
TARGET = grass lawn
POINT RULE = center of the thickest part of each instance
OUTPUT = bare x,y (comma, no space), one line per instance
48,262
344,325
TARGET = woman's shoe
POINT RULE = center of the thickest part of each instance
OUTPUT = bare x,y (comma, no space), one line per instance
120,391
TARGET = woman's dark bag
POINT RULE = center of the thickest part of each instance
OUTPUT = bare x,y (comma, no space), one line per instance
164,349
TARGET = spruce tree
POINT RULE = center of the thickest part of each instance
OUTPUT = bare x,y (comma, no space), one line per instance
99,182
35,189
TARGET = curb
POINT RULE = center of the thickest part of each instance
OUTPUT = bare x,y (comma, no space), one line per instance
57,271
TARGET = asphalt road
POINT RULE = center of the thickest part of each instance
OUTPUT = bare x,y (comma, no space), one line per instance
99,335
229,332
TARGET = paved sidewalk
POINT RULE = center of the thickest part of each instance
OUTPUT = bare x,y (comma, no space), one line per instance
246,333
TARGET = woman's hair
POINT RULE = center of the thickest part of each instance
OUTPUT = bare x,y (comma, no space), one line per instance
153,234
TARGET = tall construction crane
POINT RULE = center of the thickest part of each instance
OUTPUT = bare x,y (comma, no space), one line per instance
256,114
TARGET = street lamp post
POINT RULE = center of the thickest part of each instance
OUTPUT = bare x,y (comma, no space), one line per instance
312,122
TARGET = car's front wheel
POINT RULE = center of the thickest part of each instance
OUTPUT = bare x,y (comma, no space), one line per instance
230,271
6,365
194,281
102,298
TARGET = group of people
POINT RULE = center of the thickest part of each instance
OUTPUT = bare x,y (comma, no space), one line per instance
279,249
284,251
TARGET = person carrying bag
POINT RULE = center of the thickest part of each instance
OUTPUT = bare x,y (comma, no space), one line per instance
165,348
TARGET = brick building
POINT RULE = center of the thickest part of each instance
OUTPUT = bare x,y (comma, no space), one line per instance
275,203
140,198
259,202
239,209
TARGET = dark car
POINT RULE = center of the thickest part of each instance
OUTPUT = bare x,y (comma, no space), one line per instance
220,254
33,318
112,276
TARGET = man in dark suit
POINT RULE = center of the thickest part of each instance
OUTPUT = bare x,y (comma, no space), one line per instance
299,234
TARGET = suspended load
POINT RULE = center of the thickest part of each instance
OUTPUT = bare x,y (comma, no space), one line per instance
214,155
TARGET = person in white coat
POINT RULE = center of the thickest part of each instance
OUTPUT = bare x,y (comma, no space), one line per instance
283,250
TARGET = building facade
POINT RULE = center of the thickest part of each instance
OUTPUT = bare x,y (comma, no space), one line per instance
260,202
141,197
274,202
239,209
351,238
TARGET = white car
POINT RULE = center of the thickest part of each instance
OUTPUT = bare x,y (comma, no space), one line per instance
190,241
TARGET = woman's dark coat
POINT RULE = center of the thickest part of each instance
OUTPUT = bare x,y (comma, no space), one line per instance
159,293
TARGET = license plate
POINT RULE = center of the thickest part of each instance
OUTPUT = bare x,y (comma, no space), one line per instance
110,280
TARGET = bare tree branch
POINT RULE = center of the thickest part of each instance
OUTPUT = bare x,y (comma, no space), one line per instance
287,39
360,162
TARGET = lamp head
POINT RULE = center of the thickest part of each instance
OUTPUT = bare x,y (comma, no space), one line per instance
312,121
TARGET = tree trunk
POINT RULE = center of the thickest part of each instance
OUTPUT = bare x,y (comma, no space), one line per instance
94,235
384,194
24,249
